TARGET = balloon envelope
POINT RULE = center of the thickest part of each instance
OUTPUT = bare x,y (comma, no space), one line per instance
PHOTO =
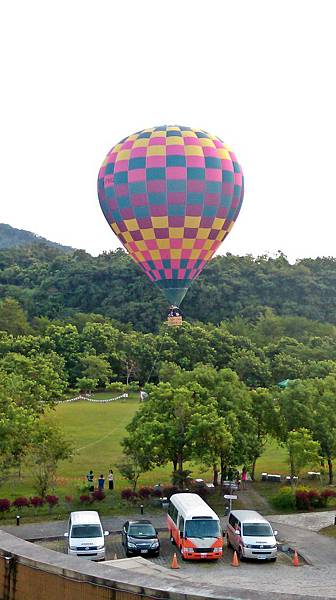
171,194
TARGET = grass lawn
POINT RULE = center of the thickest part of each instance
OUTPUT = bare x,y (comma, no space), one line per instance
96,431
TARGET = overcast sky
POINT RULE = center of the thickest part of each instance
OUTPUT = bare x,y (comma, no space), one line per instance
78,76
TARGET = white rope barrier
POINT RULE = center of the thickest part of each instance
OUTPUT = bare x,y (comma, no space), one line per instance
88,399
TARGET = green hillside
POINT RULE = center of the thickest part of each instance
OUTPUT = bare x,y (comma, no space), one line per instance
12,237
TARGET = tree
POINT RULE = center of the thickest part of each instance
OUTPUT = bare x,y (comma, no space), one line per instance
266,416
96,367
86,384
303,451
324,422
17,423
48,447
13,318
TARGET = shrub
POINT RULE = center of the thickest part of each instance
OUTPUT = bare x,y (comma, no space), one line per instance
68,499
21,502
52,500
169,490
144,492
98,495
116,387
4,505
284,499
85,499
157,492
314,499
302,500
128,494
36,501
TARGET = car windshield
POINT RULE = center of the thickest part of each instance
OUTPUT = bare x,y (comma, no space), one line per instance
257,529
202,528
86,531
142,530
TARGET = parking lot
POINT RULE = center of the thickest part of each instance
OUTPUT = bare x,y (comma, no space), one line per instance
115,549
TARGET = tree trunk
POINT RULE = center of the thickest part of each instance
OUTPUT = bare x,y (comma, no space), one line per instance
253,467
292,470
215,475
175,464
330,471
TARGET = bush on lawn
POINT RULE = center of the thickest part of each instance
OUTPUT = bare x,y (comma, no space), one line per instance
52,501
310,499
21,502
284,499
169,490
116,387
85,499
4,505
144,492
128,495
98,495
36,501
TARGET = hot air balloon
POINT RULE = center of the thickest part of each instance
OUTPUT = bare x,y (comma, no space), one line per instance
171,194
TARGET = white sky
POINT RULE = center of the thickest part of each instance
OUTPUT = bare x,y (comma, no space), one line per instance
78,76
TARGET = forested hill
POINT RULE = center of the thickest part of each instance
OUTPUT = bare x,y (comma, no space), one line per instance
11,237
48,282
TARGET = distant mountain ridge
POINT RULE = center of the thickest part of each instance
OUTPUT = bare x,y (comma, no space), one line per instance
11,237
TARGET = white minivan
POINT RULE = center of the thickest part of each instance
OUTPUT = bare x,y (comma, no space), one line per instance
251,535
85,534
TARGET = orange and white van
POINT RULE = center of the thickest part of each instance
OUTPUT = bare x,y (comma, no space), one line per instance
194,527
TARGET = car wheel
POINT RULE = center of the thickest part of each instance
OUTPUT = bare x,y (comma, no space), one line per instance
240,553
127,554
273,559
229,545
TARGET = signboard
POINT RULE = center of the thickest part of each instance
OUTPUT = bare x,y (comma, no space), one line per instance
230,497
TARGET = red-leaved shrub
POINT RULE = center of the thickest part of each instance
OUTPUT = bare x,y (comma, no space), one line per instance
98,495
144,492
169,490
4,505
21,502
36,501
68,499
52,500
128,494
85,499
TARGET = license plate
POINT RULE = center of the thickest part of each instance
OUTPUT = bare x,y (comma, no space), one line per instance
203,555
261,557
143,551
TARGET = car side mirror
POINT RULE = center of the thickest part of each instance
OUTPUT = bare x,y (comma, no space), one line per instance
106,533
66,534
275,533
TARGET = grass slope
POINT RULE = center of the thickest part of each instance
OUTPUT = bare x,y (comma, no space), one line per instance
96,431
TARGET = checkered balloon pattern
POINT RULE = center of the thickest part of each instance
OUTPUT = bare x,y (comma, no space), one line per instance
171,194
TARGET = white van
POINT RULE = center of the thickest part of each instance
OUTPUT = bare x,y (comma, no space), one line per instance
85,534
251,535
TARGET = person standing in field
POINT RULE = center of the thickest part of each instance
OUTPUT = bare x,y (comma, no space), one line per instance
110,480
101,481
90,478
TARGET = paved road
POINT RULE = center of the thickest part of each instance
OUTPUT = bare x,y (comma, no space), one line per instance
318,578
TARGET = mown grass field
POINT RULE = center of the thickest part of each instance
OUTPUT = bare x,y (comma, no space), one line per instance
96,431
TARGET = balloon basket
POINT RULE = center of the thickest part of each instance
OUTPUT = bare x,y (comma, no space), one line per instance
174,321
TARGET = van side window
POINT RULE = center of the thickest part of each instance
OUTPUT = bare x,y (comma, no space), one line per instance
232,520
172,512
181,526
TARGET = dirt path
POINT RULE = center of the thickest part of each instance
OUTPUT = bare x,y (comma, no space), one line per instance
250,499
